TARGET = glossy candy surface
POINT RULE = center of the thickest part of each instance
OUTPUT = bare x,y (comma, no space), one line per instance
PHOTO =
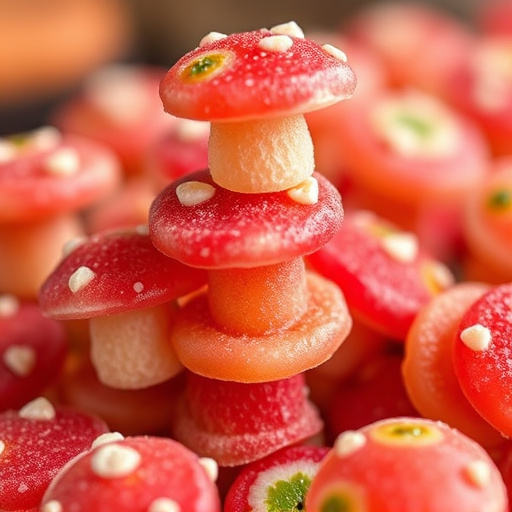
400,464
204,225
256,74
135,474
35,443
481,356
385,275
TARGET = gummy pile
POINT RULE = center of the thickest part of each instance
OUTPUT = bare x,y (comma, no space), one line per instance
276,277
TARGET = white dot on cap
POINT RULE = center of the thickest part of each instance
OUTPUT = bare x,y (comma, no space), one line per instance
288,29
2,447
20,359
38,409
164,505
9,305
192,193
305,192
138,287
211,467
80,278
212,37
402,247
476,337
479,473
107,437
52,506
349,442
62,162
115,461
277,43
335,52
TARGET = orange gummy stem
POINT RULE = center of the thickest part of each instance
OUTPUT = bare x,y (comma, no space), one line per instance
258,300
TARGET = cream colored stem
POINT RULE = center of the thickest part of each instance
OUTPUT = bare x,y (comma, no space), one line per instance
261,155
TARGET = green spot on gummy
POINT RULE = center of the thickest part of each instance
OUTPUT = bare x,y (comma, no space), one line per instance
500,200
420,126
336,504
288,495
203,67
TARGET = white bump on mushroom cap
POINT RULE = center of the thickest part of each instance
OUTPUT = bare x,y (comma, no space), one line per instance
62,162
335,52
7,151
73,244
441,274
305,192
142,229
402,246
192,193
476,337
20,359
38,409
164,505
211,467
80,278
288,29
349,442
115,461
479,473
52,506
9,305
278,43
212,37
2,447
46,137
107,437
138,287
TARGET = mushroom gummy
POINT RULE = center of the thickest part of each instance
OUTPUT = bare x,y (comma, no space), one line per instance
249,220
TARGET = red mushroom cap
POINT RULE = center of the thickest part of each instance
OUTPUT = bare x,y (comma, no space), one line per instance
202,224
32,351
112,273
256,74
134,474
44,172
35,443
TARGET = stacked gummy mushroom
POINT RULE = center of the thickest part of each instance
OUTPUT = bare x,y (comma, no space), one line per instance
249,220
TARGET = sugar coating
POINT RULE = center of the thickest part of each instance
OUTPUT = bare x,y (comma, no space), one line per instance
348,443
192,193
115,461
335,52
306,192
403,247
38,409
479,473
211,37
20,359
164,505
277,43
476,337
289,29
62,162
211,467
80,278
9,305
107,437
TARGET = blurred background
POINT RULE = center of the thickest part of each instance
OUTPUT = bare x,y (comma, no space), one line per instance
48,47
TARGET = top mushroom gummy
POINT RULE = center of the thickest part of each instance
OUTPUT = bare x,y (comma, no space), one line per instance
259,209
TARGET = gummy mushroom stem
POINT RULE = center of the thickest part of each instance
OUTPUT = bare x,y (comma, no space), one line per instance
258,300
132,350
263,155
